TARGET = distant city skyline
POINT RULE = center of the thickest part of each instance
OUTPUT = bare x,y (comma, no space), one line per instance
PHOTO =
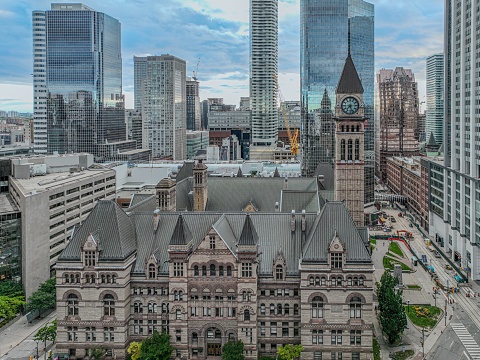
216,32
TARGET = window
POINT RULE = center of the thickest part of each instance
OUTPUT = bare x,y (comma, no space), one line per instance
246,269
229,271
357,149
279,309
279,272
72,304
355,308
273,328
317,337
317,355
336,337
72,333
152,308
296,328
138,326
178,269
272,309
317,281
336,260
195,271
212,242
355,337
204,270
286,309
350,149
108,334
212,270
312,281
89,258
246,315
295,309
90,334
317,307
323,281
137,308
178,314
108,305
342,150
152,271
285,329
355,356
220,271
262,309
164,308
262,328
194,337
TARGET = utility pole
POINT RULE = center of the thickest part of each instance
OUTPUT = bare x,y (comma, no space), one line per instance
445,312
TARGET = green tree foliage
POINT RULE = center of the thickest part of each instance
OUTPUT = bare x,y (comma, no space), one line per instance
10,288
392,313
44,298
134,350
289,352
233,350
96,353
10,306
156,347
47,332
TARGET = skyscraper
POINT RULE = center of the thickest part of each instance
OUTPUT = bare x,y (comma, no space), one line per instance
164,110
455,182
328,28
193,104
398,112
77,77
434,121
139,74
263,71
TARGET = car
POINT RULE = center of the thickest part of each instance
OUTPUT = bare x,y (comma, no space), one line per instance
387,230
411,225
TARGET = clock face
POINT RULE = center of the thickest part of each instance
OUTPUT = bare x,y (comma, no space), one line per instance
350,105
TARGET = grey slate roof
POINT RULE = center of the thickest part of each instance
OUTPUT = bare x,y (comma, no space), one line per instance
138,198
114,231
186,171
120,235
299,200
349,80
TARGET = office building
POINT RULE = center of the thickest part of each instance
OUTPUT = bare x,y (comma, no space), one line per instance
196,140
455,214
263,72
139,75
134,124
434,113
77,79
328,28
193,104
164,107
398,116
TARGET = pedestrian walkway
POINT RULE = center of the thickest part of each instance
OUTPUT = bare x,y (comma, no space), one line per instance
467,340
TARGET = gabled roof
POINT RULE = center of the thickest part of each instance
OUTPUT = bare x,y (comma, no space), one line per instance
276,173
431,140
181,233
239,172
249,235
113,230
350,82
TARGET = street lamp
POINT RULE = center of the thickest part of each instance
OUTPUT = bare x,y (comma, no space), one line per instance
37,348
408,306
445,312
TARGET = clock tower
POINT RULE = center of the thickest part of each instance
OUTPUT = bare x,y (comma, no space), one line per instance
349,142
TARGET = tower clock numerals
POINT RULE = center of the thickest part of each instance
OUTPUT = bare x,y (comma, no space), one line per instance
350,105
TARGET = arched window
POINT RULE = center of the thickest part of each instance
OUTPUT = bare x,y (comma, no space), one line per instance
246,315
102,279
357,149
342,128
152,308
212,270
195,271
323,281
358,128
180,295
342,150
272,309
67,279
87,279
317,281
114,279
194,337
229,271
92,278
138,308
77,278
279,272
361,281
72,304
108,305
109,279
262,309
311,281
286,309
152,271
355,308
279,309
220,271
72,278
350,149
164,308
355,281
349,281
317,307
339,281
204,270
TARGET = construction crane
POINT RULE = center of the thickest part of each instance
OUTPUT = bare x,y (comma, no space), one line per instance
195,72
292,138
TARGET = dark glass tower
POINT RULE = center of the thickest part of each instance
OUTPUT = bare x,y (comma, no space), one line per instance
77,79
328,29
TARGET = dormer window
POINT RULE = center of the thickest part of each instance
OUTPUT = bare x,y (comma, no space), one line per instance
90,258
336,260
152,271
212,242
279,272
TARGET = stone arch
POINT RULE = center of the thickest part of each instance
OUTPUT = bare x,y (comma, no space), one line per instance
355,294
246,307
69,292
323,296
177,307
240,291
108,292
211,325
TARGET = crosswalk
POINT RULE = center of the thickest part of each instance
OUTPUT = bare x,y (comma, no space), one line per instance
467,340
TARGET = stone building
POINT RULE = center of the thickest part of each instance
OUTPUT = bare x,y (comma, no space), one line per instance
267,279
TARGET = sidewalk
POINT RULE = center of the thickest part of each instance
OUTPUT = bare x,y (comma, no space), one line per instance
16,333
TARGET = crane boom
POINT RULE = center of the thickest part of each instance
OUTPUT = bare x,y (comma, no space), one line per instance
292,138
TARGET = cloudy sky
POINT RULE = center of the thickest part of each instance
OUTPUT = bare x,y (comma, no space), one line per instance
216,32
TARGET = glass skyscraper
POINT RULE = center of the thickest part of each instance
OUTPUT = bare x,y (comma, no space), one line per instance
78,101
435,79
328,29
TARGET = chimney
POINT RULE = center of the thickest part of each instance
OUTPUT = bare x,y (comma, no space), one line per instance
277,207
292,225
156,219
304,221
285,184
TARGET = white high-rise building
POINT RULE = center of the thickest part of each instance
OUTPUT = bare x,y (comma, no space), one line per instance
434,122
164,107
263,71
139,74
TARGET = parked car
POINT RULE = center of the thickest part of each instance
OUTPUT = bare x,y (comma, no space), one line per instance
392,219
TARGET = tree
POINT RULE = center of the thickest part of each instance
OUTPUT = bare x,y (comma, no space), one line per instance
48,332
134,350
10,306
156,347
392,313
96,353
233,350
10,288
44,298
289,352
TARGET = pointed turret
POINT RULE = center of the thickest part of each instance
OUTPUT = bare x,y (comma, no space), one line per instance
276,173
249,234
181,235
326,103
239,173
349,81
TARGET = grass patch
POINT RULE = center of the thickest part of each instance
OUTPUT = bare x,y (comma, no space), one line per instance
403,355
395,248
376,350
414,287
389,262
373,241
372,247
423,316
